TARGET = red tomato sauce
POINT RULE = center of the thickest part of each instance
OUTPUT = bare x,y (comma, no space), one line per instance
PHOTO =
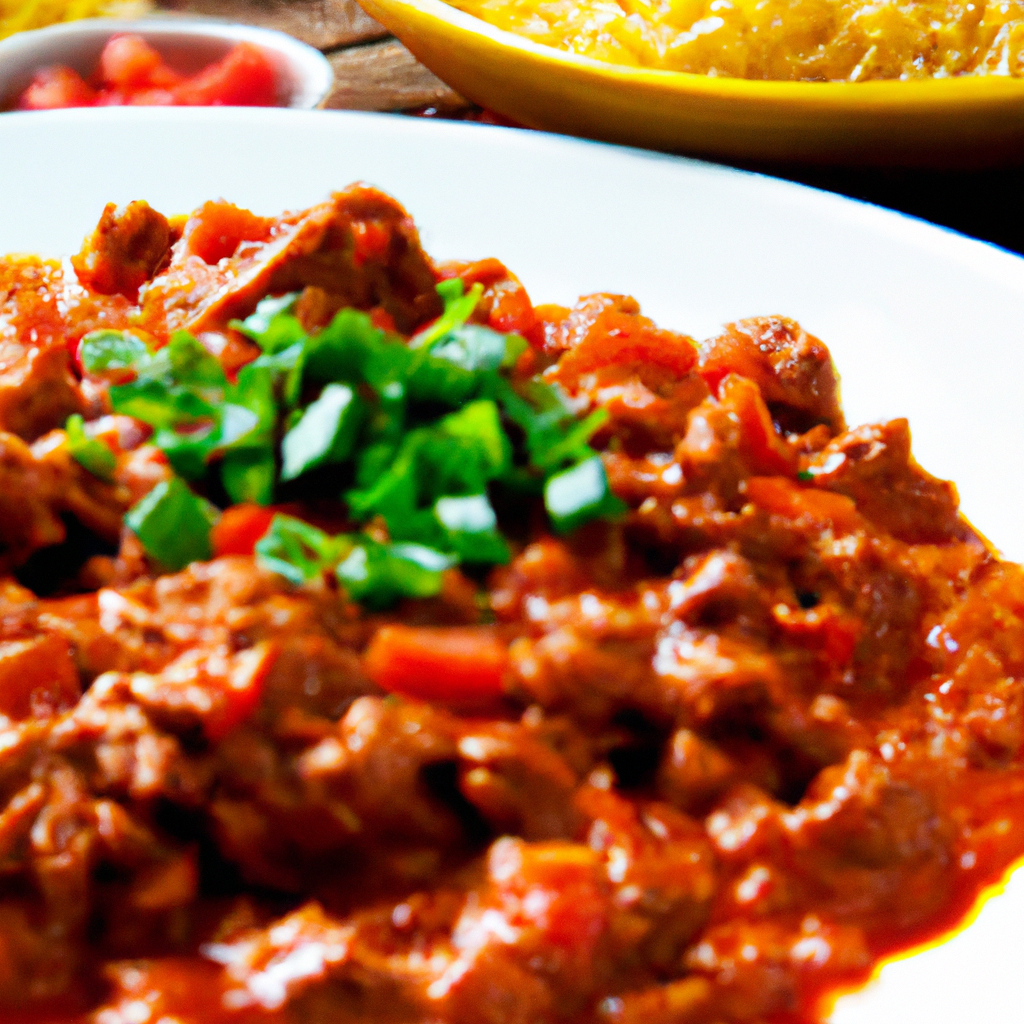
709,757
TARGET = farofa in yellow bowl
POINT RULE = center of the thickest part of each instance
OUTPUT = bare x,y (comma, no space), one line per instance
783,40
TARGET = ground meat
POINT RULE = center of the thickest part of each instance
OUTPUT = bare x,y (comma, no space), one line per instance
697,762
39,486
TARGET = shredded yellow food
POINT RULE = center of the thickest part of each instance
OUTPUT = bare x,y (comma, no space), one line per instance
818,40
21,15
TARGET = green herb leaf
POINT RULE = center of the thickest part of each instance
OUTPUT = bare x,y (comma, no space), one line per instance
325,433
394,494
475,347
101,351
471,529
297,550
458,308
376,575
187,450
345,349
173,524
249,474
577,495
89,452
184,361
180,384
557,445
272,326
285,369
479,423
254,391
440,380
160,404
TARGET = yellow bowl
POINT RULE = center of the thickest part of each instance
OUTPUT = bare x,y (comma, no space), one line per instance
951,122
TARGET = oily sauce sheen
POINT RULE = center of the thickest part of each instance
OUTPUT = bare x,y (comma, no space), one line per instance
705,759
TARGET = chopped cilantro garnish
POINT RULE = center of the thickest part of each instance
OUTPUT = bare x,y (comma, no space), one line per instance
173,524
377,575
424,433
372,573
89,452
272,326
249,474
471,529
297,550
101,351
458,308
577,495
326,432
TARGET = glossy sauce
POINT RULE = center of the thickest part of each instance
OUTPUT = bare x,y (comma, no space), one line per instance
709,760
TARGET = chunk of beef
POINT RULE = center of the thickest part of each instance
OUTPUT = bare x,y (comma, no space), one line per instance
873,466
792,369
519,784
877,844
729,438
179,989
230,606
360,248
37,389
621,362
532,944
662,869
125,250
567,671
270,967
693,771
757,968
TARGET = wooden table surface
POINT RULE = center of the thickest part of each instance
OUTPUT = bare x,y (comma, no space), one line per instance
373,71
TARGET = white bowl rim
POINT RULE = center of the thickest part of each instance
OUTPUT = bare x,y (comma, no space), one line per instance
309,69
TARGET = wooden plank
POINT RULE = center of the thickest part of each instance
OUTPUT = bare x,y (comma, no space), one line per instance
325,24
386,76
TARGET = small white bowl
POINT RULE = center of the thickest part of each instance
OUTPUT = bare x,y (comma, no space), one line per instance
188,45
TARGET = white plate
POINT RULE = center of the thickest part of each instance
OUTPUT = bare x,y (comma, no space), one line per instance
922,322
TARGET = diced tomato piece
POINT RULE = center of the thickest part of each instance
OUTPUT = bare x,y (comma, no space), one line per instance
129,62
239,689
763,449
243,78
783,497
216,229
629,341
239,528
37,677
485,271
460,664
371,241
512,309
56,88
822,628
132,73
557,888
382,319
